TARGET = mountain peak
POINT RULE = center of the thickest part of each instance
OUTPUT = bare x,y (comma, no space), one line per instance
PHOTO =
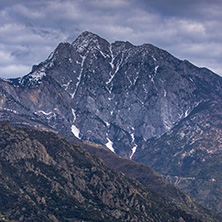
88,40
87,34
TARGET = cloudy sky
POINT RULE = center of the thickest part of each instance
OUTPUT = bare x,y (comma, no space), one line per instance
31,29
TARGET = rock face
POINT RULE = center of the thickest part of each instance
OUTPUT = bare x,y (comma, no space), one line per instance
118,94
190,154
45,178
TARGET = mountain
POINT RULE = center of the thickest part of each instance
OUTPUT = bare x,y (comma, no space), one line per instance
45,178
96,90
130,99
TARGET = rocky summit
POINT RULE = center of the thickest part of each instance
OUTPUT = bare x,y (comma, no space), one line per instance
139,101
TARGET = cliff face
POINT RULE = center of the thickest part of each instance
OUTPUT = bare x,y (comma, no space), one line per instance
44,178
190,155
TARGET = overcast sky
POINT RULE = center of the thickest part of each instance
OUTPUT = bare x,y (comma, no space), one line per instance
31,29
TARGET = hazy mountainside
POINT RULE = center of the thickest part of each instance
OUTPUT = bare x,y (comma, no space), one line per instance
96,90
139,101
190,154
45,178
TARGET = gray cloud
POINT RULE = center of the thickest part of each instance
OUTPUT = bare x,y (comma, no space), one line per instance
30,30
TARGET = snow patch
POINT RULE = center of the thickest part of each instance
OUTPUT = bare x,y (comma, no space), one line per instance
83,60
156,68
66,85
109,145
112,57
10,110
74,115
152,79
109,90
135,146
75,131
182,135
144,87
133,151
129,80
133,138
211,151
191,152
134,81
154,58
79,77
167,125
103,54
112,76
48,115
83,46
186,113
45,113
107,124
117,69
38,75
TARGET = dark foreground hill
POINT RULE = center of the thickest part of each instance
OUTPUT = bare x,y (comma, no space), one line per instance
145,175
45,178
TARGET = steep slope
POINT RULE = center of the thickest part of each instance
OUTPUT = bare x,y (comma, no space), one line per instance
190,154
144,175
44,178
96,90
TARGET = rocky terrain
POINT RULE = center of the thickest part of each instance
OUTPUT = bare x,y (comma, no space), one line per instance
139,101
145,175
190,154
45,178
